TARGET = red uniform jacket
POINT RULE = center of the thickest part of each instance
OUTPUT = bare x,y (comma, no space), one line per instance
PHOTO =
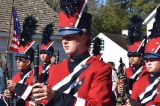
21,88
146,90
134,73
131,72
91,86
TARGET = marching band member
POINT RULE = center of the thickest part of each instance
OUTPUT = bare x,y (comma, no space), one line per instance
146,90
81,79
136,44
46,52
24,58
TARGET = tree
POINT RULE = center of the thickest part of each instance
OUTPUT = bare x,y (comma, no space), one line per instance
110,18
114,16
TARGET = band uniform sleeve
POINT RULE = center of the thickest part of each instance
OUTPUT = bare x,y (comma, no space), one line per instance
101,88
134,95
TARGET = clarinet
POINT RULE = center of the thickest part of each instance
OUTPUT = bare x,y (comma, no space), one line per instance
125,95
7,77
36,65
36,69
126,87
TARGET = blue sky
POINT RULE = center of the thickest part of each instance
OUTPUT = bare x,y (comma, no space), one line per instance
103,1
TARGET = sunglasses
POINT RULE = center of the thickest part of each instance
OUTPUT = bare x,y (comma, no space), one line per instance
20,59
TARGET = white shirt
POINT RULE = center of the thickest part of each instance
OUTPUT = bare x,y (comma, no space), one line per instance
114,79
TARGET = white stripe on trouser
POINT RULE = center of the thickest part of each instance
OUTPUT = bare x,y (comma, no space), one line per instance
80,102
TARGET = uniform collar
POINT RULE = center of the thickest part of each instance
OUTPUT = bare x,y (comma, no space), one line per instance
135,68
153,76
24,72
79,58
46,64
75,60
137,65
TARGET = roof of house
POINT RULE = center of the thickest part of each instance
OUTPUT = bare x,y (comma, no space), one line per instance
38,8
42,12
119,39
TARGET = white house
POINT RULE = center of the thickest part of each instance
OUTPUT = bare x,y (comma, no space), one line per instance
150,20
112,51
